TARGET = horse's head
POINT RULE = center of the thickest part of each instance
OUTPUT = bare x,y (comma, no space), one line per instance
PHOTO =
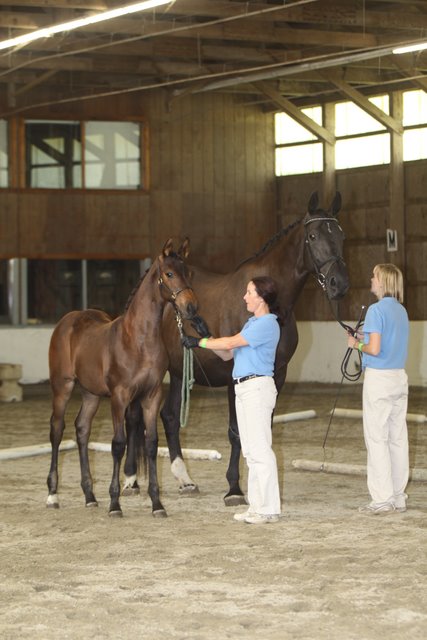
173,279
324,247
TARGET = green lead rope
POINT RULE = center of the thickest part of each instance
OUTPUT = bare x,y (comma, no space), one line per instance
187,375
187,384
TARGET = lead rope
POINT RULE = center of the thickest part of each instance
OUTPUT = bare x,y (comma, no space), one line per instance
349,376
187,376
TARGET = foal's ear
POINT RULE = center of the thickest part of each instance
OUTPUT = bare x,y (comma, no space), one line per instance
184,250
313,203
336,204
168,248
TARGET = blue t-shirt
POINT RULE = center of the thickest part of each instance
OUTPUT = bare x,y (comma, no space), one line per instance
388,318
262,335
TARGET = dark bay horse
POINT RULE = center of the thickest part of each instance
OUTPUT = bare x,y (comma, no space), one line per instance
124,359
311,245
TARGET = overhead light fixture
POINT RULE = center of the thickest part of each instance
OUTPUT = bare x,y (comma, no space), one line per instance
410,48
81,22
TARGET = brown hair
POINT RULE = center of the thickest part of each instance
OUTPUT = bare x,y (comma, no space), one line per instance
266,288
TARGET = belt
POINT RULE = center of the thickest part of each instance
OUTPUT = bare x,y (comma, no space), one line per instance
253,375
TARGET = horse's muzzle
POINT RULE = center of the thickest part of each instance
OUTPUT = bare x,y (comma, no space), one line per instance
337,284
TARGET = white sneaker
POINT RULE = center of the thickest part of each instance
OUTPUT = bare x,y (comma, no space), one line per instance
261,518
240,517
400,509
377,509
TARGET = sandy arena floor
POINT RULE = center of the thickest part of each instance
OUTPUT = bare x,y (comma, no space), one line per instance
324,572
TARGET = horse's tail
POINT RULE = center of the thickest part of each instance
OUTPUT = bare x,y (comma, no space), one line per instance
135,430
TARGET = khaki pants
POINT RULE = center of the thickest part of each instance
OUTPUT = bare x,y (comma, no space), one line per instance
385,402
255,402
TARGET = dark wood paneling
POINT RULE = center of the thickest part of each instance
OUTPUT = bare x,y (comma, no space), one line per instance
211,171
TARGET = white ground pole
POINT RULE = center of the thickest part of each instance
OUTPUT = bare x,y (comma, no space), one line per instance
296,415
34,450
357,413
348,469
163,452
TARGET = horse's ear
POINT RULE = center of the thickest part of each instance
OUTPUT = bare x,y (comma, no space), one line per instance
336,204
313,203
168,248
184,250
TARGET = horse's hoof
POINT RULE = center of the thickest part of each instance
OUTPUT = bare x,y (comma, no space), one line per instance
160,513
52,501
234,500
116,514
188,489
92,504
131,491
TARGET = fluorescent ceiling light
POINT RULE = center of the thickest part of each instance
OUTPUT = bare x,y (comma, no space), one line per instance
82,22
410,48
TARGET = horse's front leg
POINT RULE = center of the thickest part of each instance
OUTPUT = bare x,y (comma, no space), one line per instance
150,410
235,495
83,425
170,415
119,402
61,395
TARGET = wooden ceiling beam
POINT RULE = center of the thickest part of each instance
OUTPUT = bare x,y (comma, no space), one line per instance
358,98
418,78
286,105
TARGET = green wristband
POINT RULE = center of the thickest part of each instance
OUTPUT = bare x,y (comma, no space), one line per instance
360,346
203,342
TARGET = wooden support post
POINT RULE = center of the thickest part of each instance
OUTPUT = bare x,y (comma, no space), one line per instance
329,186
396,216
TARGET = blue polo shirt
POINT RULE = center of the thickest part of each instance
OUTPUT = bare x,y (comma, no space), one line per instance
390,319
262,335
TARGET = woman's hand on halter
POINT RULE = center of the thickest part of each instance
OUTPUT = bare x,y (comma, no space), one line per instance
201,327
190,342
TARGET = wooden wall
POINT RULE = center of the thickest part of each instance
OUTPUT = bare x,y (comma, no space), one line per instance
211,168
365,216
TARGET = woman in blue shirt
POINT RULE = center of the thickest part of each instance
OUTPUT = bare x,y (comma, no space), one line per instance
384,345
254,351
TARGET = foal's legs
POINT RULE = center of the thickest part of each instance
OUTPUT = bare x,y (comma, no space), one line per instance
83,425
170,417
150,407
61,395
119,402
134,426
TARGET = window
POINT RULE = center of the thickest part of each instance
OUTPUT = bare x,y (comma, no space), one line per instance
112,155
359,138
414,115
53,155
91,155
299,151
42,291
3,154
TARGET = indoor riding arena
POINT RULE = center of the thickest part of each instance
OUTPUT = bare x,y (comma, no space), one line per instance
155,157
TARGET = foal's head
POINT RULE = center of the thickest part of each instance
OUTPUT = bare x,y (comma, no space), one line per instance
173,279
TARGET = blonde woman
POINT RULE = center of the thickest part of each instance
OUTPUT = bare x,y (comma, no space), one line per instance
384,345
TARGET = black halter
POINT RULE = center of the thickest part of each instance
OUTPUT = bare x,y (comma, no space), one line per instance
320,276
173,294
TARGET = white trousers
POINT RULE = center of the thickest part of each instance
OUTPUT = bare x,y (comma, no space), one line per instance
385,402
255,402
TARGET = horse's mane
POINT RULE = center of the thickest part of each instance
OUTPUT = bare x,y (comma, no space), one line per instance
271,242
138,284
134,290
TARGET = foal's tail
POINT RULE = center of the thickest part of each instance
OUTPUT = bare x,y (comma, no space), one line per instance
135,430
